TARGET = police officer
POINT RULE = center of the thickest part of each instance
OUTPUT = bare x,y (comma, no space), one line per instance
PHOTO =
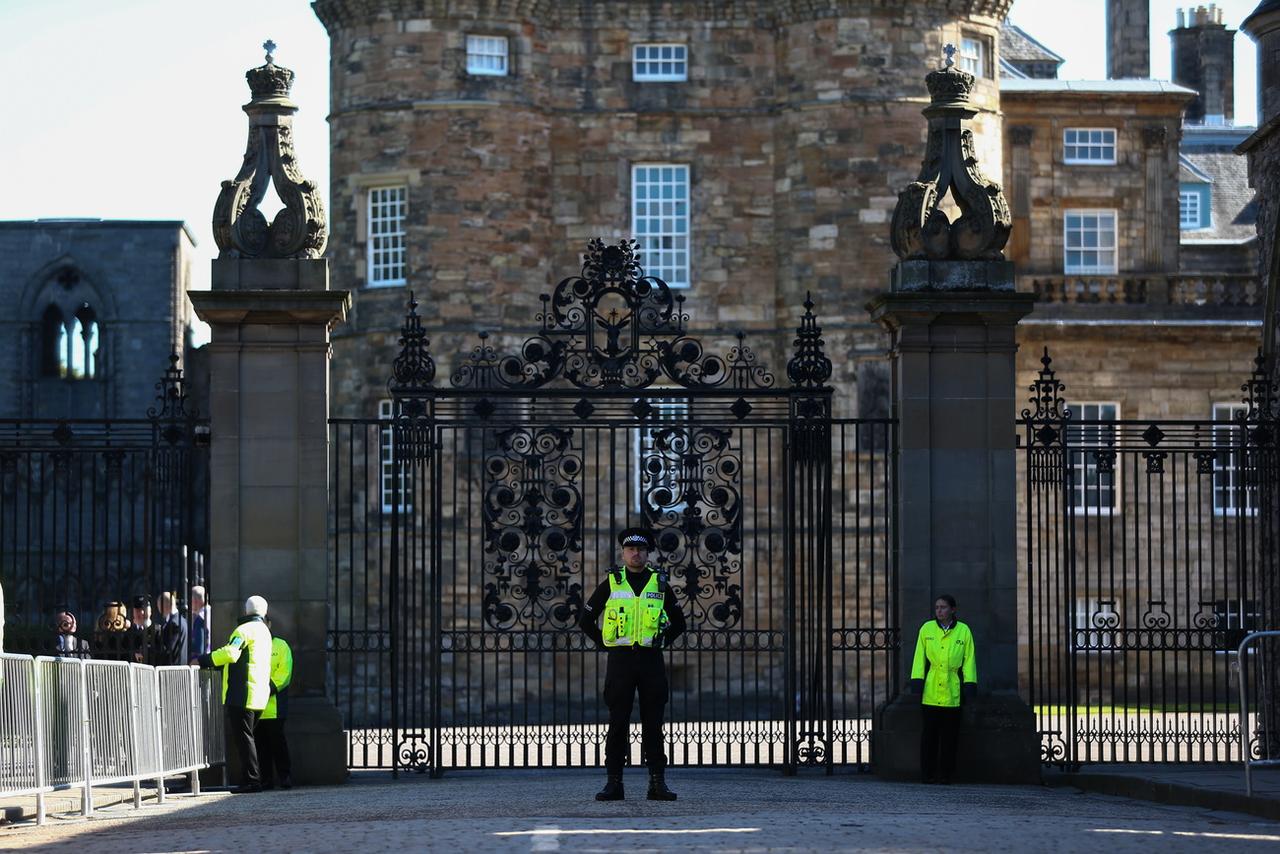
246,685
944,654
268,735
640,618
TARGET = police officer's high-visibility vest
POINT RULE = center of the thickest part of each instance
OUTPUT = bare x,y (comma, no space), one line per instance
631,620
281,676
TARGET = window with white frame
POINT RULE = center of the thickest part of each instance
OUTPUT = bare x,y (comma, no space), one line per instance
1189,210
973,55
1089,241
393,490
659,63
660,220
659,448
487,55
1089,145
1094,489
386,240
1235,488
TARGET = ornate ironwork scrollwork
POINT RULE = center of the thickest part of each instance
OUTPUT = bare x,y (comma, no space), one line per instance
171,395
533,529
690,496
1261,393
1046,395
811,749
611,327
413,371
414,752
809,366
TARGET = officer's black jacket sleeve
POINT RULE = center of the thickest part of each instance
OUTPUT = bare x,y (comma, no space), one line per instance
675,617
591,613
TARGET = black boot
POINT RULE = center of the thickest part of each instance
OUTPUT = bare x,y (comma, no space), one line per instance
658,790
612,790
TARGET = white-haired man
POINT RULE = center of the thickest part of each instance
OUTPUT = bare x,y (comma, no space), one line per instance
246,685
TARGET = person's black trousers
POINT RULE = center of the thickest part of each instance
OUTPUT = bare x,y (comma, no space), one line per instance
628,671
938,737
273,750
240,727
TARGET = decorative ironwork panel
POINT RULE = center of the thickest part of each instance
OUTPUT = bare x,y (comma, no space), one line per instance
533,530
691,497
1146,546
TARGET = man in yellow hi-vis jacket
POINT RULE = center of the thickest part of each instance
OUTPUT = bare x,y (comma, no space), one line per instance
944,654
273,748
246,685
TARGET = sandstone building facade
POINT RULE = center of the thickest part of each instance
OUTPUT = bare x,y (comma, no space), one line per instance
754,148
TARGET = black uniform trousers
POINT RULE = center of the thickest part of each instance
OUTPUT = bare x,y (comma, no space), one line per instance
630,670
273,750
240,726
939,733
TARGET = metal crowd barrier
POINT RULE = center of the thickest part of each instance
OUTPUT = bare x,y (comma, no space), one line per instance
1249,762
68,723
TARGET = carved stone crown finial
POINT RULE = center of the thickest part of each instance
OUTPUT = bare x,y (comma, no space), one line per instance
949,86
920,229
239,228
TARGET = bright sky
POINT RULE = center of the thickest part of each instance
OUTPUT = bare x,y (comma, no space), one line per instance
130,109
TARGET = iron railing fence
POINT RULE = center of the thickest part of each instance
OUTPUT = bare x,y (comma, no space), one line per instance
94,512
68,723
1148,546
771,657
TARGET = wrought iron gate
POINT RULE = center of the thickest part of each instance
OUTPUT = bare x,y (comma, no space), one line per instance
99,511
474,519
1148,547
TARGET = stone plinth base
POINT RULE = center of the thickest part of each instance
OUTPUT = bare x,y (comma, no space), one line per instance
998,741
317,742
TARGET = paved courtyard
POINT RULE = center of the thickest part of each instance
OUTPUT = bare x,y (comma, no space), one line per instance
718,810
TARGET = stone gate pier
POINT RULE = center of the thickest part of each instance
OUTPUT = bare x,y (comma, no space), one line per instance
271,312
952,312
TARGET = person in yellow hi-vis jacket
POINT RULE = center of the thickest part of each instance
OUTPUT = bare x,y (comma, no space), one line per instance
246,685
944,670
273,748
639,617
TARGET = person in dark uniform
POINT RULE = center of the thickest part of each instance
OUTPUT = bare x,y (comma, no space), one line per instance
634,615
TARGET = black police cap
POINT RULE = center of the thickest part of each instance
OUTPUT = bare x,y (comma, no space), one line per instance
641,537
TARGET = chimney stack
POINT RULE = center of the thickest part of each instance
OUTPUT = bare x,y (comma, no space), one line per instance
1204,60
1128,38
1263,26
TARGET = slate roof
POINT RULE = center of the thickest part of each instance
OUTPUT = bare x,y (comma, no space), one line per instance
1017,46
1233,208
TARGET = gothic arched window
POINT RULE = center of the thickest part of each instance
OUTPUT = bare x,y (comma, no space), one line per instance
69,348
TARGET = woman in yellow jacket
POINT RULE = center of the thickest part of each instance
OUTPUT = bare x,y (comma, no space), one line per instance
944,656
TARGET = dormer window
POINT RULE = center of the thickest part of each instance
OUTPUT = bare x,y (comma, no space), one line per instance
1193,206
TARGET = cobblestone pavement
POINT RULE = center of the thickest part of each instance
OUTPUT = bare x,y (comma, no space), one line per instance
718,810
